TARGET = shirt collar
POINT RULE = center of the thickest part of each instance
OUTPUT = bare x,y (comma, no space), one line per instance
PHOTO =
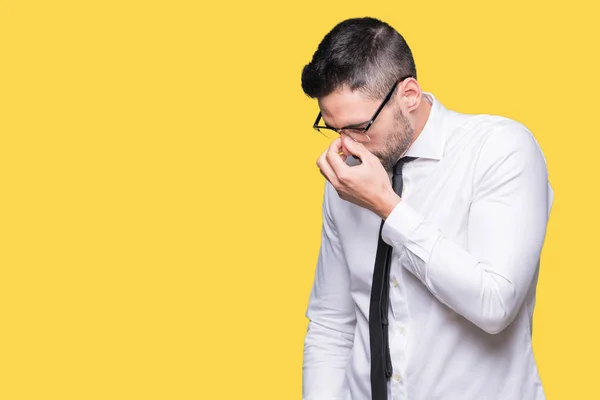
430,142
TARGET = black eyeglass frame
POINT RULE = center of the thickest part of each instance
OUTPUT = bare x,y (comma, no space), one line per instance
369,123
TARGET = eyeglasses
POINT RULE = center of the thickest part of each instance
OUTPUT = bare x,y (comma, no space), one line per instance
357,132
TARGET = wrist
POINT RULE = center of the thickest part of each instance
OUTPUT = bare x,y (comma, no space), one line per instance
387,205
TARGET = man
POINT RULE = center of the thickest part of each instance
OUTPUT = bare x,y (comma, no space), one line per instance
433,224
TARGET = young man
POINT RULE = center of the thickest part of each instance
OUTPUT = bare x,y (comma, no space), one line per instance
433,224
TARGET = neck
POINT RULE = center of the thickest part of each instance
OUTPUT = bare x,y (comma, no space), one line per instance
421,115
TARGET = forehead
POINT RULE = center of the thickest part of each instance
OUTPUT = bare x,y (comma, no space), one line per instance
346,107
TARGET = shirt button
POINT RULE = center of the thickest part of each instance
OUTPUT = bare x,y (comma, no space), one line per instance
395,282
398,377
401,329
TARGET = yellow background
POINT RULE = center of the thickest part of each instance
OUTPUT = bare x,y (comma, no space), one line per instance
160,215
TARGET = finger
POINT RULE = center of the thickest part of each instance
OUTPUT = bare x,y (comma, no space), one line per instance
326,170
343,155
357,149
336,162
345,150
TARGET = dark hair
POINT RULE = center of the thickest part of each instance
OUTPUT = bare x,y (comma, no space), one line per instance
360,53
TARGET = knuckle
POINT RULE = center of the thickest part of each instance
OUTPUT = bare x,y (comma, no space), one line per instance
328,157
321,160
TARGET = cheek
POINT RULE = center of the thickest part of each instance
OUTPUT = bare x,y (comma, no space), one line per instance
378,150
377,145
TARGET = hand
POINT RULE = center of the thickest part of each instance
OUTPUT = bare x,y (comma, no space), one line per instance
366,185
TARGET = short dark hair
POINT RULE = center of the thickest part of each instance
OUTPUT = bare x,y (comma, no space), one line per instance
360,53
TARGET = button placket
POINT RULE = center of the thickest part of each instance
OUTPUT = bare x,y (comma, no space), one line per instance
398,337
399,312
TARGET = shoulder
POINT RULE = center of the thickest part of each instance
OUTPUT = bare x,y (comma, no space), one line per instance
506,149
490,136
502,137
494,129
492,145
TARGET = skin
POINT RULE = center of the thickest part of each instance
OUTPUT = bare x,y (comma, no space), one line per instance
395,129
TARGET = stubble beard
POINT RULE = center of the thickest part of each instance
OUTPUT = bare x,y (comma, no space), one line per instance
396,143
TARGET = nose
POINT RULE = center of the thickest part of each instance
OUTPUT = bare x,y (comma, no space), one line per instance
346,134
357,137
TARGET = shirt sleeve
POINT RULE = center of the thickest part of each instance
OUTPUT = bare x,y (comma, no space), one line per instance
332,318
487,281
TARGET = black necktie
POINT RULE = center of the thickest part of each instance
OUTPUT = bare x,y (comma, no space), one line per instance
381,364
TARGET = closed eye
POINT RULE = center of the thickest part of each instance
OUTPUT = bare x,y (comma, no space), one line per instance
358,127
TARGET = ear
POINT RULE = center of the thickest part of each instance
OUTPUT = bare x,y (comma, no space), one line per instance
412,94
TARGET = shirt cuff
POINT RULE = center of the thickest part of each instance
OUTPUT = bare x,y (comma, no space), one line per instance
405,227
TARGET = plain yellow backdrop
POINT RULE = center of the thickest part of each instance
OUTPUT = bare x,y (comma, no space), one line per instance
160,203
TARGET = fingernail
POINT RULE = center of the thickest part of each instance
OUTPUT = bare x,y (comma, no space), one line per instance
348,140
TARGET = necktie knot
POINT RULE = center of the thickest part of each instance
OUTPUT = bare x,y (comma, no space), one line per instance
397,177
400,164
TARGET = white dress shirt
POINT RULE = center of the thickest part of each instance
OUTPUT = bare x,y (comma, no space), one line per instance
466,241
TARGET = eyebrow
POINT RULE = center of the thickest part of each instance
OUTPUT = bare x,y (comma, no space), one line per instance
357,125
